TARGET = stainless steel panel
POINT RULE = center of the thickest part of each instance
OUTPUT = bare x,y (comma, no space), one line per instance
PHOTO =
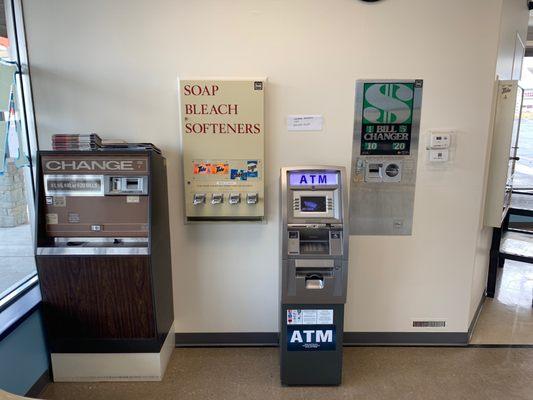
130,241
100,251
299,263
382,203
296,291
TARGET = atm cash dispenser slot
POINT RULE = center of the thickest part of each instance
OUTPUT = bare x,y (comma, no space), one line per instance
313,274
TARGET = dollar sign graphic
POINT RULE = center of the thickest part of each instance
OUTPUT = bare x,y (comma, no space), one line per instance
388,103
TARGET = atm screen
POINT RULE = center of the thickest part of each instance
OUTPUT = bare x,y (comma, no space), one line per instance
313,204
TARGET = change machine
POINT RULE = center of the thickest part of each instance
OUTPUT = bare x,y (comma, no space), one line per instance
384,156
314,271
103,259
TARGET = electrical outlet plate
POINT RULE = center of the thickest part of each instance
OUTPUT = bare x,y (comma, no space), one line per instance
439,155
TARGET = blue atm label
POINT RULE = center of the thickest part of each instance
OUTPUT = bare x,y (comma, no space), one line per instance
311,337
313,178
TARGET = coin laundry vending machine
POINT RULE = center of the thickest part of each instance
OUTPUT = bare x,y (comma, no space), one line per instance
314,270
103,259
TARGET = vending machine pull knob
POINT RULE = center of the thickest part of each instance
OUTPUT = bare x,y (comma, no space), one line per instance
199,198
234,198
252,198
217,198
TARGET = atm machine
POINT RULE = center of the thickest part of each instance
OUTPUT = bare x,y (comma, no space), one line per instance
103,259
314,265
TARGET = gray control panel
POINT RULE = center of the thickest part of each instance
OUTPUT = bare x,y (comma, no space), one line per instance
314,234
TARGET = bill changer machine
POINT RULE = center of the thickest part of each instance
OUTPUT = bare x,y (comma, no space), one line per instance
103,258
314,271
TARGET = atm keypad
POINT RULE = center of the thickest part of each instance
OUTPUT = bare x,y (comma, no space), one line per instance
296,204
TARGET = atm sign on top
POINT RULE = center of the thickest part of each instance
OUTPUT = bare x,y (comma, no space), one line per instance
313,179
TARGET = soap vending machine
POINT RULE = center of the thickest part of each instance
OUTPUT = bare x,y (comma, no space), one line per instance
314,270
103,259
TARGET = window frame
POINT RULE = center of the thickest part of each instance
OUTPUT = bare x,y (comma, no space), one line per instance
25,296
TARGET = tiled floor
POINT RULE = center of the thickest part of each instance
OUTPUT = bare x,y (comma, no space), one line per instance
16,255
508,318
369,374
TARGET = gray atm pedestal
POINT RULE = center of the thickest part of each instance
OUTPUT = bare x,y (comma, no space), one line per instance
314,270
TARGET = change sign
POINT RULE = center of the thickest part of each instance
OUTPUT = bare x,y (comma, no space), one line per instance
387,118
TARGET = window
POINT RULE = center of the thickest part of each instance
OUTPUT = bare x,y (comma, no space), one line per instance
523,176
17,147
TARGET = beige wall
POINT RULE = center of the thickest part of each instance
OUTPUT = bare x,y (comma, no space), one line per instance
111,67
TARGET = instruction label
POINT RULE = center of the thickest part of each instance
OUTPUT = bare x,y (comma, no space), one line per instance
309,317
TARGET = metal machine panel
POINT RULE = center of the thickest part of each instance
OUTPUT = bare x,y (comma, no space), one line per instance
222,135
93,194
314,246
384,156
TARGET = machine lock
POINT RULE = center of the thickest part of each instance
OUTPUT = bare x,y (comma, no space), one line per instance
217,198
252,198
234,198
199,198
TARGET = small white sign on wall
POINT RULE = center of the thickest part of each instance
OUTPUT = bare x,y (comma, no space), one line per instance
305,122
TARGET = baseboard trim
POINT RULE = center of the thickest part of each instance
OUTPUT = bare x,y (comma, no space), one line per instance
405,338
256,339
38,387
271,339
473,323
